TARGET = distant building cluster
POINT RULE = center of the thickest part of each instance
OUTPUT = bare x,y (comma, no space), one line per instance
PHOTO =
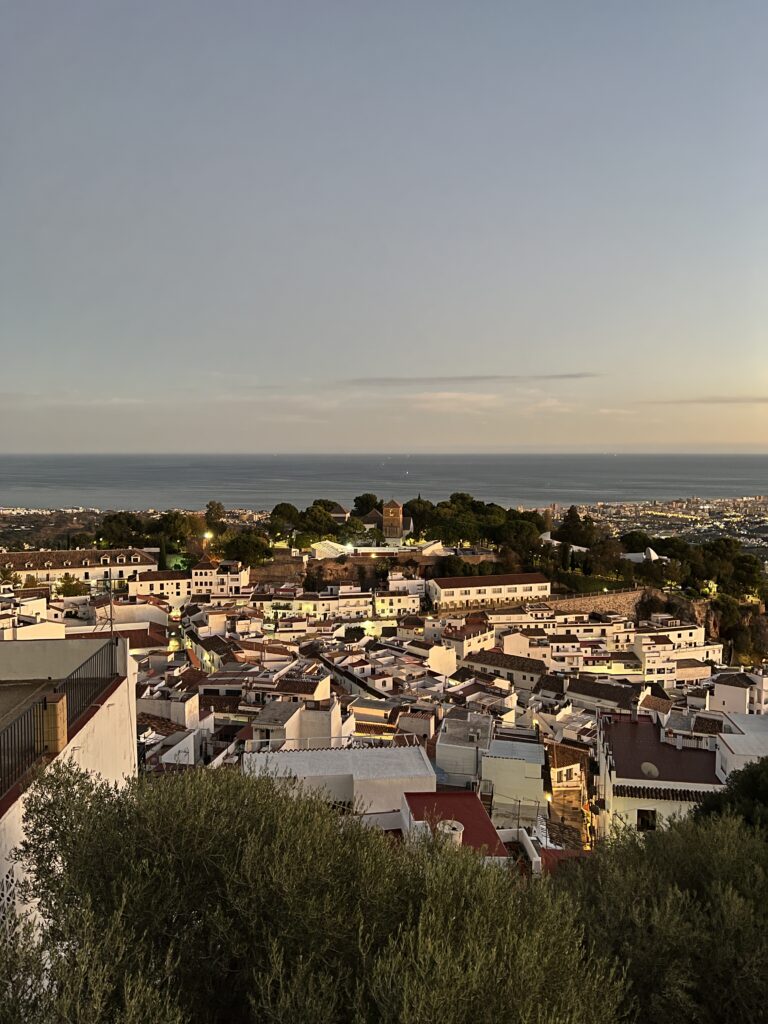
515,723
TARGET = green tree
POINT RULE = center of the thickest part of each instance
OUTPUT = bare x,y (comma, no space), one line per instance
636,540
248,546
421,511
365,503
284,520
122,530
9,576
745,795
214,515
685,911
68,586
303,914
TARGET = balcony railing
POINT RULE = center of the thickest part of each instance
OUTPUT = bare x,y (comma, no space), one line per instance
88,680
22,740
21,744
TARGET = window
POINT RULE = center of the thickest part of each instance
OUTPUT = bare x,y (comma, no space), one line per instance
497,590
646,820
8,900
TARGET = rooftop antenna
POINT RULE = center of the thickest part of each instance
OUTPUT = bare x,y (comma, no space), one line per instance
111,608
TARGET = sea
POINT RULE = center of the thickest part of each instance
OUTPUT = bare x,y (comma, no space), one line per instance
260,481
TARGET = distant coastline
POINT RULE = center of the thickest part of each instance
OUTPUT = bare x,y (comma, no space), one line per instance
260,481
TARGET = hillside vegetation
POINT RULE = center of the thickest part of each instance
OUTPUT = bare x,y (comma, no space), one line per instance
209,897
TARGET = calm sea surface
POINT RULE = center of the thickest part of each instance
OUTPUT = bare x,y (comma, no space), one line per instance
260,481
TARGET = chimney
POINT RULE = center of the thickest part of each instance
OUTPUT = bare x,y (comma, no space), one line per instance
55,722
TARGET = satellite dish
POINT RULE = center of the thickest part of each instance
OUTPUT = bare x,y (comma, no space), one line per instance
649,770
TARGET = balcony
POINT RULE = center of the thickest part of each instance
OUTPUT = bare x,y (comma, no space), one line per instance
47,690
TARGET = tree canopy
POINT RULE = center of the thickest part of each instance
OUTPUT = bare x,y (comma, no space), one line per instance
210,897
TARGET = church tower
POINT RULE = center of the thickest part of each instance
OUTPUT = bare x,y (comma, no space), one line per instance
392,526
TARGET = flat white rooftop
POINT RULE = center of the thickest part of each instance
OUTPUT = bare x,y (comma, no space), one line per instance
361,762
752,738
533,753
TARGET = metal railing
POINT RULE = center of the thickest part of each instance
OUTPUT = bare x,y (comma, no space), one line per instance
88,680
22,742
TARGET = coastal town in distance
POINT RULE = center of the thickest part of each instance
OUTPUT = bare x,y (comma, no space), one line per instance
545,673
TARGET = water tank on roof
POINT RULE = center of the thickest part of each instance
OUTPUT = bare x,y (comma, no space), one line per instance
451,830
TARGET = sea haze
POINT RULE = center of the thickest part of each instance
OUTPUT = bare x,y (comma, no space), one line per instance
260,481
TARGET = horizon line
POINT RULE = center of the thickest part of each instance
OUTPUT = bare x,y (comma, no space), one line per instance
387,454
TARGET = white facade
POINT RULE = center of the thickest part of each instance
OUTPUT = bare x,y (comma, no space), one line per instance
372,779
480,591
103,743
91,566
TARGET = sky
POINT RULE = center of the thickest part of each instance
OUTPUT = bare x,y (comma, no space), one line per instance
327,226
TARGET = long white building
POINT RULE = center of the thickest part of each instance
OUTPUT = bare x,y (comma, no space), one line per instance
458,592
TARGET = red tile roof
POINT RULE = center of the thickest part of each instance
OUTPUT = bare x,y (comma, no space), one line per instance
466,808
637,744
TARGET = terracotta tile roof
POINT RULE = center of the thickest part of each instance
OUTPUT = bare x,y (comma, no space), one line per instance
164,574
688,796
740,679
464,807
191,678
162,726
656,703
710,726
78,559
509,662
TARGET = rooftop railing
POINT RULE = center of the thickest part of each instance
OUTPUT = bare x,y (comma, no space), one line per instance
22,740
88,680
21,744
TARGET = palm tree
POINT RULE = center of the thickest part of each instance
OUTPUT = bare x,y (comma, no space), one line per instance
9,576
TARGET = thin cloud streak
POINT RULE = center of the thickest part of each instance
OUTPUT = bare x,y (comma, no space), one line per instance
711,400
452,381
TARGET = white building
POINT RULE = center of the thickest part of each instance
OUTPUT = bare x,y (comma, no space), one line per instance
461,741
643,779
172,585
487,591
91,565
220,579
72,700
371,779
744,693
392,604
743,741
512,773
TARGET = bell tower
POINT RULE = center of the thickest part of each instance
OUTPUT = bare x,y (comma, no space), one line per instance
392,525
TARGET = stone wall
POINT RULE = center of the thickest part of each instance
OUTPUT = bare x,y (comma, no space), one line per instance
623,602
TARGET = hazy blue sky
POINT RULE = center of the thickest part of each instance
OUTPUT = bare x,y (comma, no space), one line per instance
416,226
